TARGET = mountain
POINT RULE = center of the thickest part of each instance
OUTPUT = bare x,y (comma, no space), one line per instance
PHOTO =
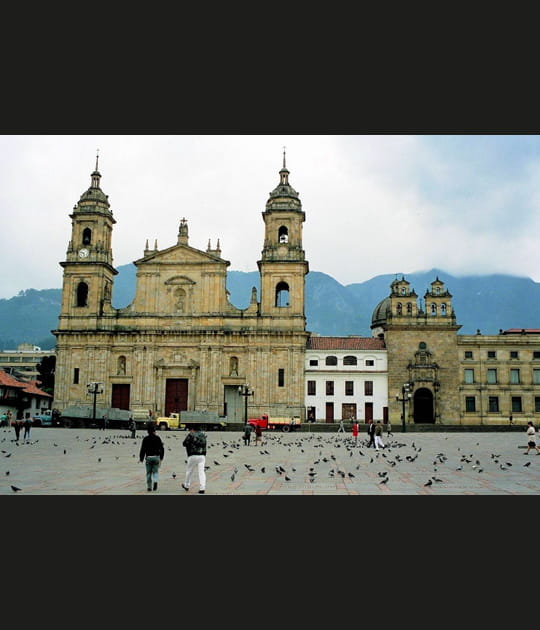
487,303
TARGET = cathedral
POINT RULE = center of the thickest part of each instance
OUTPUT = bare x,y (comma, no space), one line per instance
180,344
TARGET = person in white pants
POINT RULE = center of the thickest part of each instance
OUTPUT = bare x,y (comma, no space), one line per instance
195,445
378,435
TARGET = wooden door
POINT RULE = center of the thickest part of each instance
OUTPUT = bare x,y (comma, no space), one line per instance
368,408
329,412
176,395
120,395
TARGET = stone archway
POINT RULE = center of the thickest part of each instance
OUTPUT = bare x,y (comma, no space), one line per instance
423,406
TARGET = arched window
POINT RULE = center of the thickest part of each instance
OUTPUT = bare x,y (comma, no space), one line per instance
282,294
283,234
433,309
82,294
121,364
350,360
233,366
87,236
443,309
399,308
409,308
331,360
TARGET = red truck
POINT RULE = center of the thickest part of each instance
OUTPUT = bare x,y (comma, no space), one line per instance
284,423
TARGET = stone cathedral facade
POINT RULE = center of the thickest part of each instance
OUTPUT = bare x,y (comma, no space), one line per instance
180,344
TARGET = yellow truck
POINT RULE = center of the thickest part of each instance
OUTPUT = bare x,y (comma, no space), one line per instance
165,423
205,420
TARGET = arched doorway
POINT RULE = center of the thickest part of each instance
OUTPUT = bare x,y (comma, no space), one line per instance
423,406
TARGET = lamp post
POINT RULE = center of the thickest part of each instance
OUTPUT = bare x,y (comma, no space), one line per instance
405,397
245,391
436,388
94,389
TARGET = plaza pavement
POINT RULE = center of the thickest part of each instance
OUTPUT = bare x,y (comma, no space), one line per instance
60,461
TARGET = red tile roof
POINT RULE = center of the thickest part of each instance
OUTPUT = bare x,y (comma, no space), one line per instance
6,380
345,343
29,387
32,388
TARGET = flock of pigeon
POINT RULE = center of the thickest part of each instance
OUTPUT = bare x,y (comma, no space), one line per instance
305,463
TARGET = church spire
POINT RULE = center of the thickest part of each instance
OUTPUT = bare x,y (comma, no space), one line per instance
96,175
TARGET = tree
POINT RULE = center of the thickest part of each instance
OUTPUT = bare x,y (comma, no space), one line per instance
46,370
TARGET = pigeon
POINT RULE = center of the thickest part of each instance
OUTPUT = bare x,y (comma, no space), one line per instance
217,463
174,475
428,482
15,489
287,478
527,464
385,480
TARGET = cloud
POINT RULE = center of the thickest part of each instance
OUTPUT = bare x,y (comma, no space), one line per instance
374,204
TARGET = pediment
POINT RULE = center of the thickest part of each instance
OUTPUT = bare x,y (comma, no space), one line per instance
180,254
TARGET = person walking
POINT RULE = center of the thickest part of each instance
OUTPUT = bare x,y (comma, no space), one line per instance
247,434
378,435
152,453
258,435
27,426
341,427
388,429
195,445
531,438
132,427
355,431
17,424
371,433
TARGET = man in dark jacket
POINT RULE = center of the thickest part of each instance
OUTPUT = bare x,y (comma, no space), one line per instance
195,445
152,449
371,433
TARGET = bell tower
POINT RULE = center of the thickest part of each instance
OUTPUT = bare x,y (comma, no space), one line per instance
283,266
88,268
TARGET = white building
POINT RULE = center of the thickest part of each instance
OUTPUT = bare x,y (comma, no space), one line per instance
346,377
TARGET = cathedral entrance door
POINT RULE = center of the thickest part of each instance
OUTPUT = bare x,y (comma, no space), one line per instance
176,395
423,406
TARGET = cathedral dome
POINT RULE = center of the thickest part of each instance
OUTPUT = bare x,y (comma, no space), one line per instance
380,313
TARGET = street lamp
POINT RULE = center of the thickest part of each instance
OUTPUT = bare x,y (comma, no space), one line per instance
405,397
94,389
244,391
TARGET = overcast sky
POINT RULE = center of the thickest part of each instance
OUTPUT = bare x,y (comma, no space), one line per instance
374,204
